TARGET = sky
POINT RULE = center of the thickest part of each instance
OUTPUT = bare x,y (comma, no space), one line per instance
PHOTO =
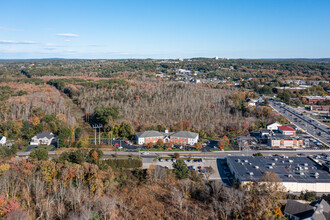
106,29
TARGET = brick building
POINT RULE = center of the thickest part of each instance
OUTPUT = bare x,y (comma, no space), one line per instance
178,137
312,100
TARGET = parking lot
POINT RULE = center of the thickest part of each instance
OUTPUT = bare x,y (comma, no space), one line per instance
195,164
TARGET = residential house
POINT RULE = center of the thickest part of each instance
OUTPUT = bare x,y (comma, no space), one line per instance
45,138
296,210
178,137
3,140
273,126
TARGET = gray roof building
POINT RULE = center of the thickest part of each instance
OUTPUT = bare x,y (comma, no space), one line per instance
47,135
296,173
143,134
288,169
183,134
319,210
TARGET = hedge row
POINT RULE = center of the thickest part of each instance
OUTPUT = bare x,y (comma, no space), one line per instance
124,163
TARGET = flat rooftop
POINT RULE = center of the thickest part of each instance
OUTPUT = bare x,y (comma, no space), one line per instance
288,169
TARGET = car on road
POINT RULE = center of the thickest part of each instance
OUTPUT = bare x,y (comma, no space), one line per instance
145,153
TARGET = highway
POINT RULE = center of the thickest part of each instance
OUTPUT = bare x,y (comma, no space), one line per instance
316,129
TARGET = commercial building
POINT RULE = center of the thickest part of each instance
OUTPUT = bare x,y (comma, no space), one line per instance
321,109
287,130
284,141
296,173
312,100
178,137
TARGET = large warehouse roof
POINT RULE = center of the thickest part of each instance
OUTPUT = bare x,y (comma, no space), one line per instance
288,169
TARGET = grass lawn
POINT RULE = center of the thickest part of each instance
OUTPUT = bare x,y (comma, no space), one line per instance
47,147
227,148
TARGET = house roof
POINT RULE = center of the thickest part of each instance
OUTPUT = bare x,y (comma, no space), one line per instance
143,134
47,135
276,122
295,208
319,210
286,128
184,134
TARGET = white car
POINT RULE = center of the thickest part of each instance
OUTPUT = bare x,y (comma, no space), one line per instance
145,153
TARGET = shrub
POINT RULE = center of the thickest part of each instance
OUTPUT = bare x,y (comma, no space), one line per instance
40,154
180,169
176,155
123,163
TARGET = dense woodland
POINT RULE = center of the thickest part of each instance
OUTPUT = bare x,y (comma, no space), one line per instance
72,188
311,69
74,90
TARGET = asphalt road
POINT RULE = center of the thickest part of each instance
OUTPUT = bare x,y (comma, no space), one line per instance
311,126
217,154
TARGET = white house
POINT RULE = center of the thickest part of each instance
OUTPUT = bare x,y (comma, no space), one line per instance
45,138
3,140
273,126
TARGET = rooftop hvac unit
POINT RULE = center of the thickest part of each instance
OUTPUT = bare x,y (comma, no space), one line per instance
251,173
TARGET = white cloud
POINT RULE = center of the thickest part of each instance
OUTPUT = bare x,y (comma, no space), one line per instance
67,40
67,35
16,42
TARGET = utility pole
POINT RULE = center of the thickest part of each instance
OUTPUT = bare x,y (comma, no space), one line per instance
97,126
99,135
